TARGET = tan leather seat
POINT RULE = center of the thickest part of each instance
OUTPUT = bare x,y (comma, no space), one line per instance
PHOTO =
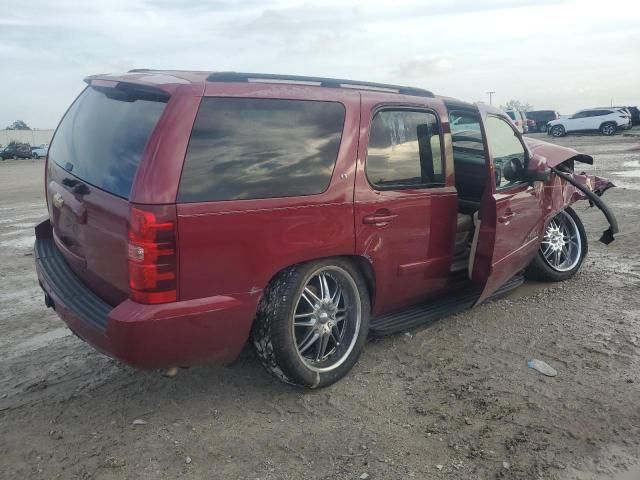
464,233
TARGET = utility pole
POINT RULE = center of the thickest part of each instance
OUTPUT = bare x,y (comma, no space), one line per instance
490,97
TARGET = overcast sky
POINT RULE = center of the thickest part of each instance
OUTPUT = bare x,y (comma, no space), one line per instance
555,54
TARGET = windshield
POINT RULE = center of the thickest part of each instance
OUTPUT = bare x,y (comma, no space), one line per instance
103,135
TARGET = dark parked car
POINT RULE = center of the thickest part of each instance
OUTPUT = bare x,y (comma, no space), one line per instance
635,115
190,212
16,150
541,118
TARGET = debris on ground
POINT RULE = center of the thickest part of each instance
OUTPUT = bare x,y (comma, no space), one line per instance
170,372
542,367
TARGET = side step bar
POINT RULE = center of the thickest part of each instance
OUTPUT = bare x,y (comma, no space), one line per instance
427,313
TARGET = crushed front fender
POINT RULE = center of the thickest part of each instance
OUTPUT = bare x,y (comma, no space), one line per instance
592,188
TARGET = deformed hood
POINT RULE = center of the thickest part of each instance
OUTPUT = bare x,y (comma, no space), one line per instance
547,154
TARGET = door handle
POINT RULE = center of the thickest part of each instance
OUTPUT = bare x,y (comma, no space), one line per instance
62,197
506,218
378,218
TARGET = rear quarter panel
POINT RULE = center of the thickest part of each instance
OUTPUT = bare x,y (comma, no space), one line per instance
231,247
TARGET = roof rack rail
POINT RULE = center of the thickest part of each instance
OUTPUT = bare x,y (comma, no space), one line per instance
317,81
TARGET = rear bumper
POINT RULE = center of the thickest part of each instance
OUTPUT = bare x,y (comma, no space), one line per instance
205,330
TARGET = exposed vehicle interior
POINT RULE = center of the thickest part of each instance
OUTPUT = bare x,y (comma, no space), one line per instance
508,158
470,172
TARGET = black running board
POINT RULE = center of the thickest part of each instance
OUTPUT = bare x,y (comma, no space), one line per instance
427,313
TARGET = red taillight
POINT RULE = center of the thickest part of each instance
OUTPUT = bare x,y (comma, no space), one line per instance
153,267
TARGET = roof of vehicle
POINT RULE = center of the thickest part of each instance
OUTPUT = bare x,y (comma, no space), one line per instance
175,78
455,103
597,108
607,108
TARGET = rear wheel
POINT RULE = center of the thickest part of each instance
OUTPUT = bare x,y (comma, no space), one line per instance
562,250
542,127
558,131
312,323
608,128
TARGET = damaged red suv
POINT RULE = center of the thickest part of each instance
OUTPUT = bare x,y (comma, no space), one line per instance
192,211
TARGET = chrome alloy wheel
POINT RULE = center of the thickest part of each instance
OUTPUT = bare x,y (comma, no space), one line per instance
561,245
609,129
326,319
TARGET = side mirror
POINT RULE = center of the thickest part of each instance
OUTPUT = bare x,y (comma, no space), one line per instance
513,170
538,175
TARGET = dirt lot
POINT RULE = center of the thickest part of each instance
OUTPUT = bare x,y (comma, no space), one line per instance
453,401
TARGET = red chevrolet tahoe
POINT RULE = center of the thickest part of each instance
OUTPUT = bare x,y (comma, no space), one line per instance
192,211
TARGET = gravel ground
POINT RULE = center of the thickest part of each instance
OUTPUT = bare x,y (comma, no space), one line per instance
455,400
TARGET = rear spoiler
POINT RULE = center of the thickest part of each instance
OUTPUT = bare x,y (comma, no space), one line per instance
127,91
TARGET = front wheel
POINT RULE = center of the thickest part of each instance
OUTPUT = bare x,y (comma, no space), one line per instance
562,251
312,323
558,131
608,129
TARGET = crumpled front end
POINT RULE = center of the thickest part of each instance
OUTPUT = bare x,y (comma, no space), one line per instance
560,161
591,187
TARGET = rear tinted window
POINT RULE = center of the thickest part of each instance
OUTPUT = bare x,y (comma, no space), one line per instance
243,148
101,138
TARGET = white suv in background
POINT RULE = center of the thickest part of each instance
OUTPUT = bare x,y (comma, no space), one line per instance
605,120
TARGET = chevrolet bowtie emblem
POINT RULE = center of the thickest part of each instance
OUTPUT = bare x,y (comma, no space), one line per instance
58,201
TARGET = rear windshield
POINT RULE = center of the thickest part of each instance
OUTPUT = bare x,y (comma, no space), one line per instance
103,135
243,148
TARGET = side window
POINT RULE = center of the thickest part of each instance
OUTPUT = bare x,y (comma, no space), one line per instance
404,150
582,114
507,152
242,148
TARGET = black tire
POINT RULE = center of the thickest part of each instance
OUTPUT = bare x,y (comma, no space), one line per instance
558,131
274,336
608,128
540,269
542,127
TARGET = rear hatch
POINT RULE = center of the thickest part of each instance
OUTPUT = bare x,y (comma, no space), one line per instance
92,162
